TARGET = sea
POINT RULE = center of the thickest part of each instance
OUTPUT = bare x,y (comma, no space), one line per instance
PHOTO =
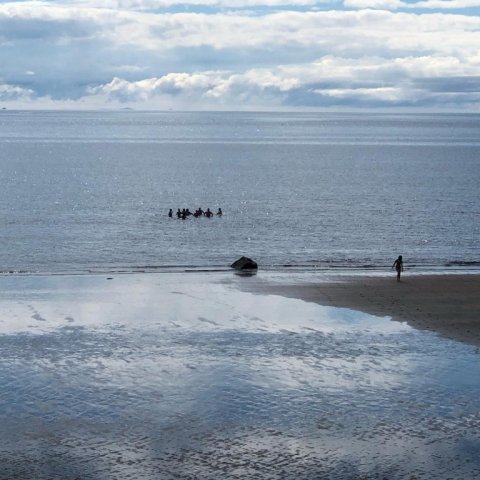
90,191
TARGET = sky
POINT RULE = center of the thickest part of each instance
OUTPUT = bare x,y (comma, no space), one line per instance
241,54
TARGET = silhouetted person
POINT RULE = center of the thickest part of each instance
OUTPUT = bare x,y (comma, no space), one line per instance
219,213
398,265
179,214
170,213
208,213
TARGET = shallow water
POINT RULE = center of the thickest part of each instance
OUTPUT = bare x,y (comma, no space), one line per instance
166,376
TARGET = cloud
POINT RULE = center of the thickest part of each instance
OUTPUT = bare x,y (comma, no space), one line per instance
373,81
156,5
14,92
127,51
455,84
376,4
399,4
37,21
172,84
325,29
106,41
446,4
213,88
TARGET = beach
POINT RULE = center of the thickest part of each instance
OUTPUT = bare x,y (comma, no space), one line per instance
447,304
191,375
129,349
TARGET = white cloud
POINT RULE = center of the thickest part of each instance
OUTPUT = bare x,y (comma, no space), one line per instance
446,4
14,92
384,94
171,84
377,71
322,32
215,87
377,4
406,80
399,4
154,5
124,51
130,68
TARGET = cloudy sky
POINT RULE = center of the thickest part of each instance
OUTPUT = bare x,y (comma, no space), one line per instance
240,54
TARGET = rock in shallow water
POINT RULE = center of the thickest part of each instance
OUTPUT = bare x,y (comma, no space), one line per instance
244,263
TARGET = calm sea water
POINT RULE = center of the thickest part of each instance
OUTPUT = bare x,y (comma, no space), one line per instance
91,191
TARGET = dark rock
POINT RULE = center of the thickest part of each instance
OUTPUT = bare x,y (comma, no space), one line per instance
244,263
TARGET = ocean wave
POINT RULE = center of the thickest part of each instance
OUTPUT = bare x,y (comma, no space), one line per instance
325,266
462,263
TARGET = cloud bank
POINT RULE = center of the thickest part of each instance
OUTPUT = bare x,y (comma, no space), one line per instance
240,54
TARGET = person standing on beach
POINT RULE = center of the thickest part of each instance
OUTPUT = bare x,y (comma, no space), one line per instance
398,265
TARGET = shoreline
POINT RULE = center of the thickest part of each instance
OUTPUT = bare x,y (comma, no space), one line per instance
443,303
472,268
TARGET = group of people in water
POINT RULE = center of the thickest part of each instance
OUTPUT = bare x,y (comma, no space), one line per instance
185,212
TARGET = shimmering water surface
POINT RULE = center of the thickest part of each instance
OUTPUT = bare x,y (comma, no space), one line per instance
84,191
184,375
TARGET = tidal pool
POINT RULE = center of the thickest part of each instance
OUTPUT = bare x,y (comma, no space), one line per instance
185,376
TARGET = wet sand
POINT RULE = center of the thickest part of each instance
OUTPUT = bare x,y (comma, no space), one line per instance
447,304
185,376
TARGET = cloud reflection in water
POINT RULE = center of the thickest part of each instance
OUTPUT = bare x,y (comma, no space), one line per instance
183,374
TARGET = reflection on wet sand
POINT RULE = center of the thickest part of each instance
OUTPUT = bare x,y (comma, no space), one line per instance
184,376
